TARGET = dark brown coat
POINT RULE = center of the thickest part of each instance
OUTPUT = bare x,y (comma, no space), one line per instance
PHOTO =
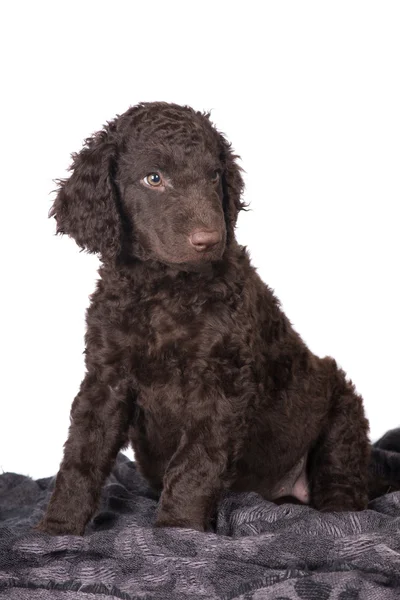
189,356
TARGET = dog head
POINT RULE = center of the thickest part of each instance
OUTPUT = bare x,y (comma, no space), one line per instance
158,182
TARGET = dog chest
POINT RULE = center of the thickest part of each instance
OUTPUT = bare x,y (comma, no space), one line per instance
180,343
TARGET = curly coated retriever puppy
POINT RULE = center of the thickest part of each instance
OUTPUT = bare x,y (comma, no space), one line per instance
189,356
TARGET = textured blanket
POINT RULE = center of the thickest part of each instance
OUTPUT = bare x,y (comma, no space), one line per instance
260,550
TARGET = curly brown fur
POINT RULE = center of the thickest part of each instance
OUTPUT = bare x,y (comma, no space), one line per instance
189,356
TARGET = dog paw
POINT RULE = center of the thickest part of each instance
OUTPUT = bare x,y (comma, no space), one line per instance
54,527
167,521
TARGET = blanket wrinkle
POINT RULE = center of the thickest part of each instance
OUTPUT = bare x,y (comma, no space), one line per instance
259,549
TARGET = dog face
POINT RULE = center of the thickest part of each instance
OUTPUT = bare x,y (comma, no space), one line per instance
172,189
159,182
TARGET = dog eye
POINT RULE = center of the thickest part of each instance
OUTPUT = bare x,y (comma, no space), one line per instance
215,176
153,179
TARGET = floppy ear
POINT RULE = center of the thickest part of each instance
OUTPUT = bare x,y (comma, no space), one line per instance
86,205
232,184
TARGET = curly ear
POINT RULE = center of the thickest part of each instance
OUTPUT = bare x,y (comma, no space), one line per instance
86,205
232,184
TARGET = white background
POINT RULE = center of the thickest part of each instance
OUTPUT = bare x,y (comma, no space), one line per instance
309,94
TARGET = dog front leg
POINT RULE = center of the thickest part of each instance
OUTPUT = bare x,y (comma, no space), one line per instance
100,418
192,484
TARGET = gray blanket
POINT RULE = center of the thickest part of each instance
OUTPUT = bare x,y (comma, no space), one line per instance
260,550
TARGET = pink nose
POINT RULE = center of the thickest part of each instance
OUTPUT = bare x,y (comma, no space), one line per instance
202,240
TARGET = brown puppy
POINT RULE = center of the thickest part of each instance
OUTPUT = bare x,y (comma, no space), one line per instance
189,356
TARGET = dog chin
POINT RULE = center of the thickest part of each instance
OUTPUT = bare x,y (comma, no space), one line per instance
197,262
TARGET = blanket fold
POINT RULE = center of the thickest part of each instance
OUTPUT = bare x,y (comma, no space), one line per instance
260,550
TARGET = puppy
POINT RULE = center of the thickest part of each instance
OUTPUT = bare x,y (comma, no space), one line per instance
189,356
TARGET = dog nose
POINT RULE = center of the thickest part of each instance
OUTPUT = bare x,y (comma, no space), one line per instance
202,239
